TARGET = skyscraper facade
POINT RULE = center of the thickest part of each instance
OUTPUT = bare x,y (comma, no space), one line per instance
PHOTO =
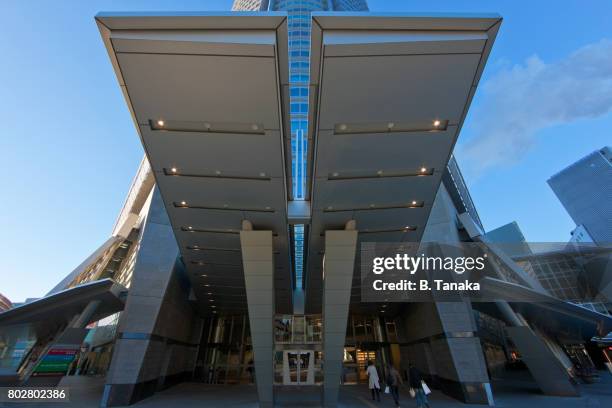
298,26
585,190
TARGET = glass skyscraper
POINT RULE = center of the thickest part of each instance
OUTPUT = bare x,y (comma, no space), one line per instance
298,26
585,190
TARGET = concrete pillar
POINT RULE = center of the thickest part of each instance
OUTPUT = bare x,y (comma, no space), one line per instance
86,314
338,266
460,364
447,328
158,332
548,372
258,265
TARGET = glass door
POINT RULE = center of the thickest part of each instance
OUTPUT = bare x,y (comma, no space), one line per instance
298,367
304,366
293,360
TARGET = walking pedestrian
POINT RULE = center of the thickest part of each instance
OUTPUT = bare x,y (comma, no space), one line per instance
373,381
393,382
416,383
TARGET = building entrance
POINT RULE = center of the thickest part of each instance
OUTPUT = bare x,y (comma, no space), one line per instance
298,367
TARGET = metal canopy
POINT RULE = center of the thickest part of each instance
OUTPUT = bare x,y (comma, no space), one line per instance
208,95
391,93
58,308
548,311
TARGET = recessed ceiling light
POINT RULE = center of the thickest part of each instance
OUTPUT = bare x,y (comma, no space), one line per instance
262,174
414,203
436,123
379,172
390,125
372,205
330,208
255,127
189,227
160,123
206,125
204,276
423,169
209,293
207,285
343,127
173,170
214,311
217,172
211,300
183,202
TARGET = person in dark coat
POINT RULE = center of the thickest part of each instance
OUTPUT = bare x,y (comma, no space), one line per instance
416,383
393,381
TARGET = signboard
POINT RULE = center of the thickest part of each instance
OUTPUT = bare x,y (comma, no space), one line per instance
57,361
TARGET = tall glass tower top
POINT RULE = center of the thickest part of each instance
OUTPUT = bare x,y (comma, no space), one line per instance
298,27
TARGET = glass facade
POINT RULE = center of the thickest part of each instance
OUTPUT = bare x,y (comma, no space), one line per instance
458,190
17,347
564,277
226,354
585,190
298,329
298,27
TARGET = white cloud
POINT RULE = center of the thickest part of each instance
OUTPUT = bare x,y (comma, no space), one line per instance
519,101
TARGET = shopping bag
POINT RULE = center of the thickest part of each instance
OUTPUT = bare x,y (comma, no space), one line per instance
387,390
412,393
426,389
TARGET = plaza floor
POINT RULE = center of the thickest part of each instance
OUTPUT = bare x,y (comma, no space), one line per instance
85,392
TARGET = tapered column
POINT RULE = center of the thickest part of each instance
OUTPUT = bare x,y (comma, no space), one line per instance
546,369
338,266
445,344
158,332
258,264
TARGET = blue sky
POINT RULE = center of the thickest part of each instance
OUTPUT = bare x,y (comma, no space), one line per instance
69,148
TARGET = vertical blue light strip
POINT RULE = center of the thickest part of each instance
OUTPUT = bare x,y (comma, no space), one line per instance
298,22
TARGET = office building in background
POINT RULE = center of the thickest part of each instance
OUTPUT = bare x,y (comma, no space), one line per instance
5,303
585,190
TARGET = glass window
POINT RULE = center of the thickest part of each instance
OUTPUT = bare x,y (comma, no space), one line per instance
283,329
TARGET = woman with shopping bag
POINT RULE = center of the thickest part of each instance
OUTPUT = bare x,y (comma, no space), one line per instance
373,380
418,385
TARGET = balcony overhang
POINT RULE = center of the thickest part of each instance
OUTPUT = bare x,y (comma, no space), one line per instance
208,93
390,93
58,308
